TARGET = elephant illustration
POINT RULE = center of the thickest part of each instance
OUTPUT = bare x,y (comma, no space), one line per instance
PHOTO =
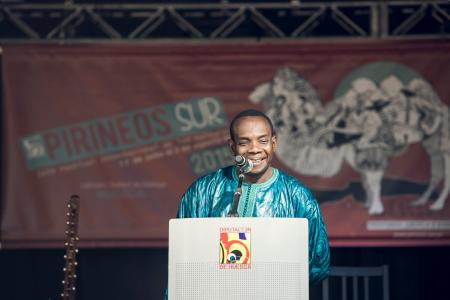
368,124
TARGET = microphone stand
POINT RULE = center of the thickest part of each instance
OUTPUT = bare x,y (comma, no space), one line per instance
236,197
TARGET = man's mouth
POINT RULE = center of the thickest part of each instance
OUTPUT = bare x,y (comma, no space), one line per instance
256,162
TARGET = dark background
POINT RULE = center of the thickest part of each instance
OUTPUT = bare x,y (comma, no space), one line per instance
135,274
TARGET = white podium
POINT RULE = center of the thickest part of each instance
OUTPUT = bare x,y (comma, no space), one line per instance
238,259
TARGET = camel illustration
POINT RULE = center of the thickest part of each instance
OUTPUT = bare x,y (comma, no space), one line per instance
367,125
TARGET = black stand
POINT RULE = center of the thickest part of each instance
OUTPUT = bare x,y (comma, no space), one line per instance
236,197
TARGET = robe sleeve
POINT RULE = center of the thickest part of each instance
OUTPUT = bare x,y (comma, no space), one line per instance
319,251
193,204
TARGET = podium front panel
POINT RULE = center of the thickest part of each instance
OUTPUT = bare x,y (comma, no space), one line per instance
238,258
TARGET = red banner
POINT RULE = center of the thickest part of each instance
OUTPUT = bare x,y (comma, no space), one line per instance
365,125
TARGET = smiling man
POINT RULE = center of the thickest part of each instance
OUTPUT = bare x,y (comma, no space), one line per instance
266,191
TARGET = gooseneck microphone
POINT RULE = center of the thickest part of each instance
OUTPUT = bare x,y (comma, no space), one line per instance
244,164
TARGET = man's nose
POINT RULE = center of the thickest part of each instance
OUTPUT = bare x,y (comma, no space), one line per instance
254,147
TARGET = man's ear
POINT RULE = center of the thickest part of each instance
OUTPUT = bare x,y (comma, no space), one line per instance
232,146
274,142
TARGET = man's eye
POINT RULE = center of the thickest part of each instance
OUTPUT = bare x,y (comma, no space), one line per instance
263,141
242,143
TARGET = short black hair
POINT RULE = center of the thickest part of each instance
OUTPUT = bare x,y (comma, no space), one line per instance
250,113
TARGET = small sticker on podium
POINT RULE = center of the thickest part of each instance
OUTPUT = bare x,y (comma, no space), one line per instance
235,248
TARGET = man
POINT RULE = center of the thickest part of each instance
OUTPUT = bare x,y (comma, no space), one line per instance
266,191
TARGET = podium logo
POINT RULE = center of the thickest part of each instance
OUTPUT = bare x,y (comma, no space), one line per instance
235,247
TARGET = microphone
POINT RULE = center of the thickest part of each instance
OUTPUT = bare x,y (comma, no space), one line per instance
244,164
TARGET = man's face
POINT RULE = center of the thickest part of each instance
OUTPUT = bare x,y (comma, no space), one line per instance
253,139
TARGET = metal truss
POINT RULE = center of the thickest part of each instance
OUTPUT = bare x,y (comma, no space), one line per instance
69,21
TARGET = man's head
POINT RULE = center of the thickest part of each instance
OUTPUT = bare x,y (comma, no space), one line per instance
252,135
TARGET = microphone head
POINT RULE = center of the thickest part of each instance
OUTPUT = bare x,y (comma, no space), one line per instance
244,164
239,160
